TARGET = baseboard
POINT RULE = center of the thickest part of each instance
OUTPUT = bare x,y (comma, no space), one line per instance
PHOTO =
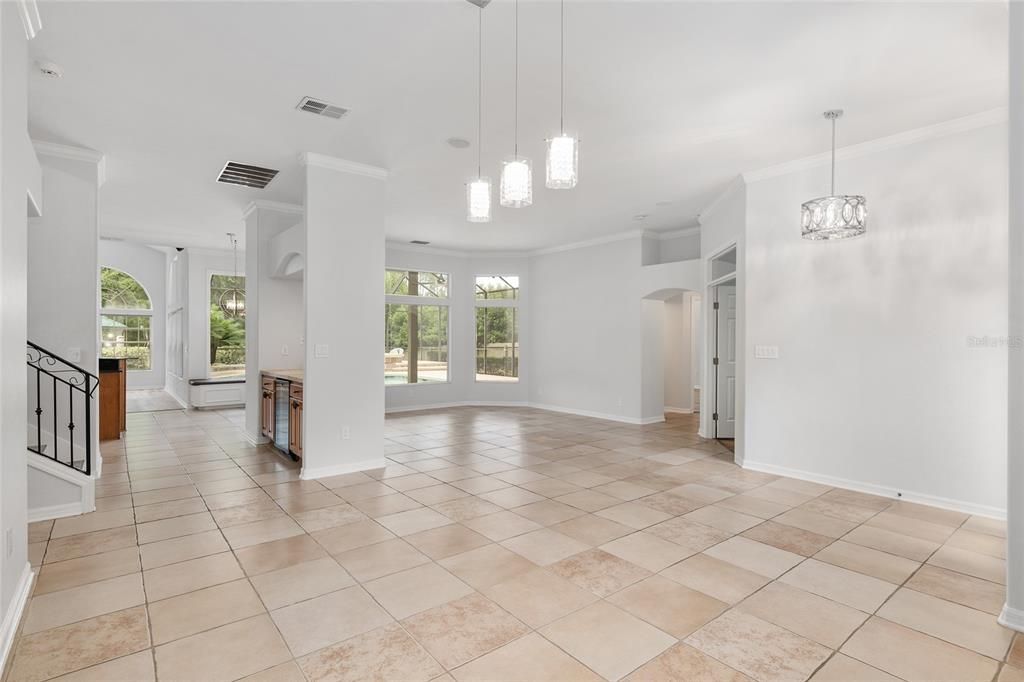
59,511
184,405
463,403
678,410
1011,618
310,474
596,415
882,491
12,618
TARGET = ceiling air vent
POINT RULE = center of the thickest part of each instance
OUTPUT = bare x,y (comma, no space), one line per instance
315,106
235,173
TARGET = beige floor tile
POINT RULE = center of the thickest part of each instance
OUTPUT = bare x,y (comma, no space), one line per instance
551,487
137,667
376,507
167,510
413,521
304,503
816,523
292,488
666,604
387,653
633,514
236,498
39,531
915,656
487,565
981,543
881,565
1010,674
417,589
352,536
683,662
225,653
302,581
980,524
466,508
887,541
839,584
436,494
328,619
599,572
510,497
92,522
87,544
501,525
446,541
380,559
54,652
951,622
842,668
62,575
758,557
175,579
971,563
723,519
260,510
960,588
758,648
528,658
592,530
412,482
589,500
788,538
607,639
720,579
671,503
915,528
544,547
693,537
283,672
816,618
165,495
646,550
150,484
166,529
464,629
754,506
943,517
204,609
548,512
538,596
623,490
166,552
836,510
258,532
225,486
85,601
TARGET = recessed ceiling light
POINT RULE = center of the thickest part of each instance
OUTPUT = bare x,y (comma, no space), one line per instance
50,69
458,142
640,216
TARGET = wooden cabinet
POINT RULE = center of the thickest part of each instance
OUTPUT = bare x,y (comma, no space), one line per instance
113,400
267,407
295,420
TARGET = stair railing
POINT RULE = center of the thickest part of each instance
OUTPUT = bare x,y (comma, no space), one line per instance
63,392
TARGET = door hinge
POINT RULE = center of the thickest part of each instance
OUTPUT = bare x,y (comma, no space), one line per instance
714,417
714,361
716,305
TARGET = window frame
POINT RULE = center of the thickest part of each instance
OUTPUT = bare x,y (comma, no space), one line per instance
102,312
499,303
206,318
429,302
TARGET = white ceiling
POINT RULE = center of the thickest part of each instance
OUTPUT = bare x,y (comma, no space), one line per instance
671,101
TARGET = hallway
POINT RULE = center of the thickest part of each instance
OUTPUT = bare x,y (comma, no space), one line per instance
501,544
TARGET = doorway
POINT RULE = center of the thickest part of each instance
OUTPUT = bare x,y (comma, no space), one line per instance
724,361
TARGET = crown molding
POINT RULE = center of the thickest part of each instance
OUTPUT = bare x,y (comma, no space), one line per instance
28,10
673,234
454,253
265,205
342,165
597,241
735,184
944,129
66,151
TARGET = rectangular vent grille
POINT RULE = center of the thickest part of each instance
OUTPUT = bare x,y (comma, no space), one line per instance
315,106
235,173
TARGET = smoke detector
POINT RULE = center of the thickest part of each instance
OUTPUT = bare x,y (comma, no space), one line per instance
235,173
50,69
321,108
458,142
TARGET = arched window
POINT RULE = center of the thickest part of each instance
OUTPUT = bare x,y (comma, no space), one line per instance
125,316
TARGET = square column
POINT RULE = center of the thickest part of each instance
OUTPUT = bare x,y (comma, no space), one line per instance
343,403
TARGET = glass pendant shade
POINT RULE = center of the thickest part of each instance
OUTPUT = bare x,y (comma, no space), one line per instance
563,162
478,197
516,183
834,217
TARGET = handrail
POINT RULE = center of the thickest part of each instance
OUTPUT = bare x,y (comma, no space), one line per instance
77,380
51,359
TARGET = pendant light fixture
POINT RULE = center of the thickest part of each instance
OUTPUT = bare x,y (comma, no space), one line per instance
563,150
516,172
835,216
478,191
232,298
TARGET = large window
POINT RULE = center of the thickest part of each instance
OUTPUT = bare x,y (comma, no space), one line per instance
497,328
227,326
125,316
415,327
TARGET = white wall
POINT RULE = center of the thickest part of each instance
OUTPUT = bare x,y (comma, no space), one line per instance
678,344
878,385
149,267
462,386
16,159
177,305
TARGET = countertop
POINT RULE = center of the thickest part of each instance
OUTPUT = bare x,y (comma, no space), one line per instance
286,374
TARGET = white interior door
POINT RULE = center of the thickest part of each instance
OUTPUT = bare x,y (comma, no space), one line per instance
725,361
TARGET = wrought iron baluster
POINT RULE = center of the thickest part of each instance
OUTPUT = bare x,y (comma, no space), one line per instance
55,458
39,415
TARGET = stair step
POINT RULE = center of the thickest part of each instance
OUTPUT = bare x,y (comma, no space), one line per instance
38,451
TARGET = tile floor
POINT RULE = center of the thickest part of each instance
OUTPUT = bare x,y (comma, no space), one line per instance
148,400
502,544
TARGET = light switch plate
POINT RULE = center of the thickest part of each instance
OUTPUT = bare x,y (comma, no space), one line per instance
320,350
766,352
